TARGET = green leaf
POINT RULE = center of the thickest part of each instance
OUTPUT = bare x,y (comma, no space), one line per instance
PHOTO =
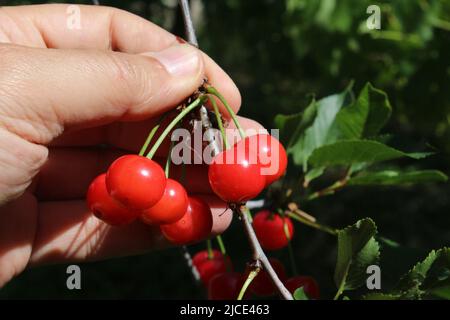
392,177
426,276
292,126
379,111
357,249
364,118
348,152
317,133
300,294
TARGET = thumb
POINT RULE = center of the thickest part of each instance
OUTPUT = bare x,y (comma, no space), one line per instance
45,91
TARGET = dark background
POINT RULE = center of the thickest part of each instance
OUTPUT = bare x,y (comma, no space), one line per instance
280,53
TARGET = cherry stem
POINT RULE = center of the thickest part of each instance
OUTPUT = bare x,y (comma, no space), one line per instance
290,249
174,122
252,275
311,224
259,255
169,160
209,249
219,122
152,134
221,244
232,114
149,139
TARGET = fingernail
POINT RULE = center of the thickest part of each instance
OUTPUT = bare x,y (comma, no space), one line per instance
181,60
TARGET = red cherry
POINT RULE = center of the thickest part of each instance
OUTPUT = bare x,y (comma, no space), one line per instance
106,208
309,285
195,225
170,208
269,229
262,285
225,286
270,154
234,178
209,267
136,182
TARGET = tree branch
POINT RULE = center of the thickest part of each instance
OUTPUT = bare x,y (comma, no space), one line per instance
192,39
259,255
188,24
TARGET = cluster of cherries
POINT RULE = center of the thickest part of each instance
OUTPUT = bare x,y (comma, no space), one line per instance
136,187
217,275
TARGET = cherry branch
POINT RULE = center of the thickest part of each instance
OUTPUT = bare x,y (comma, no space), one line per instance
259,256
203,112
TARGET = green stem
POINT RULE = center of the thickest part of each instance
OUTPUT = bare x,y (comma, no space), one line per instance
219,122
333,188
340,291
312,224
233,116
149,139
174,122
209,248
169,160
152,134
247,282
221,245
290,250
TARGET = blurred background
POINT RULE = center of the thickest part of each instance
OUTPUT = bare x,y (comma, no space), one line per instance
281,53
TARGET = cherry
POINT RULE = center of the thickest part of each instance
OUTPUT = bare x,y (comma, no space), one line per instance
225,286
310,286
209,267
270,154
195,225
135,181
170,208
269,228
262,285
234,178
105,207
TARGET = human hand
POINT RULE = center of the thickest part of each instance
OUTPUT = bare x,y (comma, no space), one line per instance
64,95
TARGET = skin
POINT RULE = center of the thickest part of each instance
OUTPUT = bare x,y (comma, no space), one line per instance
62,93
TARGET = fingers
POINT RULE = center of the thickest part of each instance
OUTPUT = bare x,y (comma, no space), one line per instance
64,26
69,232
18,223
72,88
